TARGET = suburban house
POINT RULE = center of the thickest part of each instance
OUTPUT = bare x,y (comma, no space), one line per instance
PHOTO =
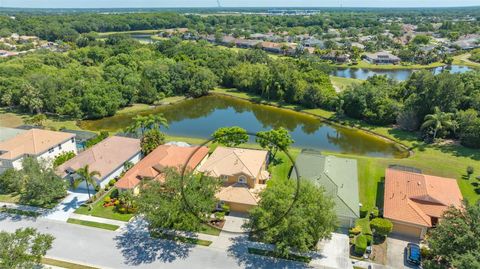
243,172
44,145
154,164
414,201
336,56
381,58
108,157
339,178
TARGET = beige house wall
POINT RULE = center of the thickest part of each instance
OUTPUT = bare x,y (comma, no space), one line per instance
407,229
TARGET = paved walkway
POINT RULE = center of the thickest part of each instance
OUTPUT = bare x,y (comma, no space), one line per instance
97,219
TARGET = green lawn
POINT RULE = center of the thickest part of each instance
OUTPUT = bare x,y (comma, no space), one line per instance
9,198
93,224
462,59
103,212
207,229
19,212
342,83
178,238
270,253
64,264
130,32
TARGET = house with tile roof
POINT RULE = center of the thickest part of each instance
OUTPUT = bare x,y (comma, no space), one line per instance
44,145
152,167
107,157
414,202
339,178
243,172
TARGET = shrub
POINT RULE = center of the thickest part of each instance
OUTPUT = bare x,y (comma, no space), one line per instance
97,188
225,208
355,230
111,182
381,226
360,244
107,187
363,212
114,193
369,239
375,212
107,200
122,210
470,171
425,252
117,202
219,215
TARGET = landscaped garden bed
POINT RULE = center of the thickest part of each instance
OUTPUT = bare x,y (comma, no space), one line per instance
97,209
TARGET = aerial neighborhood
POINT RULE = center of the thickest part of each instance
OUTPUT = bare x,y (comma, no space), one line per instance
240,138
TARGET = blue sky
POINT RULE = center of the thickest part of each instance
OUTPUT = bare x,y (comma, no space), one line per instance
232,3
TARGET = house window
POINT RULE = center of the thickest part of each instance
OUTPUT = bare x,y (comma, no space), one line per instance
242,179
224,177
60,146
50,150
73,140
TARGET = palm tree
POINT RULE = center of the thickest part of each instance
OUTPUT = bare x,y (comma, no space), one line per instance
88,177
437,121
144,123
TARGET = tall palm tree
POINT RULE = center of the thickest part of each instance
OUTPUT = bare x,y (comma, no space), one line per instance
437,121
88,177
144,123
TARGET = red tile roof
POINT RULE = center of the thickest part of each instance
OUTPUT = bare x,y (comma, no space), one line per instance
417,198
162,157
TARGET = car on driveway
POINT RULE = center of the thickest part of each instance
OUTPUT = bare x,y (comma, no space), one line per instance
413,254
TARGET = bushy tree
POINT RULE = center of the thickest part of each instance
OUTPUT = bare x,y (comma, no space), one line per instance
11,181
151,140
274,140
381,226
164,207
24,248
230,136
292,225
453,243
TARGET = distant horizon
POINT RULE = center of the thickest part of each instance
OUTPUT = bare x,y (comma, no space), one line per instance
185,4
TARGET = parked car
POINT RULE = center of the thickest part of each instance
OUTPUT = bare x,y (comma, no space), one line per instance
413,254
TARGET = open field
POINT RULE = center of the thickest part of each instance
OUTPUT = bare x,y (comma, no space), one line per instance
340,84
462,59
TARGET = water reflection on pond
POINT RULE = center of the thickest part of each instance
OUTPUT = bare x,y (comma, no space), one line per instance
200,117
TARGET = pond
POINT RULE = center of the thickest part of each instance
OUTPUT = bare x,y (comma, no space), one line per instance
398,74
200,117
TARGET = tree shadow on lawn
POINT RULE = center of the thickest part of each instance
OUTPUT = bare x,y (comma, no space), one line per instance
138,247
239,250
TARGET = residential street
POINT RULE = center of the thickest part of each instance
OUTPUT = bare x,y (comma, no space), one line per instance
132,248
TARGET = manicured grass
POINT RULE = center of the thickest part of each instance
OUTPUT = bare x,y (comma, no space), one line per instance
273,254
462,59
364,223
93,224
19,212
103,212
343,83
64,264
364,64
178,238
10,198
9,119
281,166
207,229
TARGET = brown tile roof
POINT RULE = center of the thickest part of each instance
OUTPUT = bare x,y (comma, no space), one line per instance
32,142
104,157
233,161
240,193
416,198
162,157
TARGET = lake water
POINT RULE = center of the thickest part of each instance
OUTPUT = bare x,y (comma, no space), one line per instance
398,74
202,116
143,38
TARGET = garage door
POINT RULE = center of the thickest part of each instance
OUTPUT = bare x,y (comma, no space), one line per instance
408,230
237,207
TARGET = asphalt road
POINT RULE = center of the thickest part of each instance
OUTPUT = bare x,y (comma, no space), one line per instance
133,248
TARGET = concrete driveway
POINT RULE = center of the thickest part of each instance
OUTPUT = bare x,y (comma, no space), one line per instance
396,251
63,210
333,253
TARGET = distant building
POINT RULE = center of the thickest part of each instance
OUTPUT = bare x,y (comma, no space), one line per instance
44,145
468,42
246,43
313,43
381,58
335,56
